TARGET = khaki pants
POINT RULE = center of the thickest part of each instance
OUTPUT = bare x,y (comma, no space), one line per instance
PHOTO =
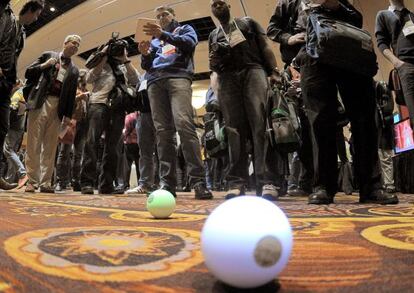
42,139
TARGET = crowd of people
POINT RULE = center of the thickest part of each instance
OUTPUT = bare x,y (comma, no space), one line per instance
275,131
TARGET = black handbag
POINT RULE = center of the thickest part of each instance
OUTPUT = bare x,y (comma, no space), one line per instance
340,44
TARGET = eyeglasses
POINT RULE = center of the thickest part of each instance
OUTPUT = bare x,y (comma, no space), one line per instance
163,14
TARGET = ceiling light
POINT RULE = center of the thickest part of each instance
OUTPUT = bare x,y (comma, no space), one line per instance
53,9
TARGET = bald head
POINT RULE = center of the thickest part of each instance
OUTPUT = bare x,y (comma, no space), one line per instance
221,10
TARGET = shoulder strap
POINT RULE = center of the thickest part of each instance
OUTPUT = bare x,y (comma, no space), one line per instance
294,13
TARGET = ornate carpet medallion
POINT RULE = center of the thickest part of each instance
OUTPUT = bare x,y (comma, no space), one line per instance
397,236
107,253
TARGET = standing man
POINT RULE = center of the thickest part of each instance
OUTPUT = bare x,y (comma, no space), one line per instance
11,45
54,80
320,83
169,63
8,29
106,114
394,30
241,56
288,28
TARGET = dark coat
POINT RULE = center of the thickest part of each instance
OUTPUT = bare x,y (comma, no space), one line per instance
39,82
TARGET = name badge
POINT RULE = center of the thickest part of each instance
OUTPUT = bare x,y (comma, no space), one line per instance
408,29
143,86
61,74
236,37
168,50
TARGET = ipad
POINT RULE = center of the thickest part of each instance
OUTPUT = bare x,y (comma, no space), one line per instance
140,35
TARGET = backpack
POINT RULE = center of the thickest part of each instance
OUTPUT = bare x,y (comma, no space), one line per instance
283,125
214,135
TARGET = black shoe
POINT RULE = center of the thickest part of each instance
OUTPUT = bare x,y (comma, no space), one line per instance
76,186
118,190
87,190
379,196
169,189
47,189
7,186
201,192
320,197
297,192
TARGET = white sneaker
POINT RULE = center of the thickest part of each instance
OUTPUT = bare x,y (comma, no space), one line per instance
137,190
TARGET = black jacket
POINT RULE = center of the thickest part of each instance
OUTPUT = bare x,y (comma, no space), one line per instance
8,30
39,82
284,24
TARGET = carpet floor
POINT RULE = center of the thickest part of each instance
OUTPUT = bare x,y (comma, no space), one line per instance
74,243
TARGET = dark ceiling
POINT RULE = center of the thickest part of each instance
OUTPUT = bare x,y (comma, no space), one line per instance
47,15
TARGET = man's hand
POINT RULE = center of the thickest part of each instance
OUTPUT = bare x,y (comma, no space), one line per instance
49,63
398,64
275,78
83,96
144,47
297,39
152,29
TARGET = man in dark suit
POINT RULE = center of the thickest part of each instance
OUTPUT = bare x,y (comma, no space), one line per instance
11,44
52,80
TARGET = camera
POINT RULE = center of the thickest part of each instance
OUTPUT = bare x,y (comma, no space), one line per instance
116,47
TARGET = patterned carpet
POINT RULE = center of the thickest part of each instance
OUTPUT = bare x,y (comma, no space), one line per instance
73,243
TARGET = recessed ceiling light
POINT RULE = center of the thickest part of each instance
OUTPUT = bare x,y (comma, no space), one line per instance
53,9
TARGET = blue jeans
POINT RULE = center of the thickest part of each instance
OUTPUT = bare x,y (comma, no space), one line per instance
170,101
11,146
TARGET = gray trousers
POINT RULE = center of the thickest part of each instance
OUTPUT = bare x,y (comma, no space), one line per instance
170,100
146,143
242,96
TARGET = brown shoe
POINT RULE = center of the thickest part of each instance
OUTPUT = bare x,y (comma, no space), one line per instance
30,188
22,181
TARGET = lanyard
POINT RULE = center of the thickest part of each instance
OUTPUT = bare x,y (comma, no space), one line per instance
228,37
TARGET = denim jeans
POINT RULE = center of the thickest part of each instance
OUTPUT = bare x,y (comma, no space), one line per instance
67,166
5,91
11,147
170,101
242,100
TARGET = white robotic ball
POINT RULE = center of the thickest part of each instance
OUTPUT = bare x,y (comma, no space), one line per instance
246,242
161,204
